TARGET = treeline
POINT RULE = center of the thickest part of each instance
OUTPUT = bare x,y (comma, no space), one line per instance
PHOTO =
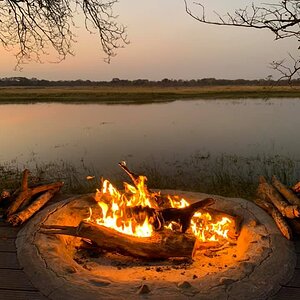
23,81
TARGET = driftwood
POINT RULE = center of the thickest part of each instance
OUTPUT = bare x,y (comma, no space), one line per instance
268,193
277,216
26,193
288,194
20,217
161,245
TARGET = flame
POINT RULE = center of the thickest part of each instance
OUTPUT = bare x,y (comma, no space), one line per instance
116,212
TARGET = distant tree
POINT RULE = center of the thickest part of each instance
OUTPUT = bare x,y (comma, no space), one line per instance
33,26
281,17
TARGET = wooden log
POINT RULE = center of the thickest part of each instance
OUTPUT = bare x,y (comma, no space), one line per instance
159,218
277,217
295,225
267,192
296,187
24,215
184,215
288,194
25,195
161,245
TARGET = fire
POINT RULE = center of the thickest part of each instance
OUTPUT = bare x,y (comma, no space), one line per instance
130,212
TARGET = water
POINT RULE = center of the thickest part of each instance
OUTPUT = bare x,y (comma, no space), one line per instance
175,136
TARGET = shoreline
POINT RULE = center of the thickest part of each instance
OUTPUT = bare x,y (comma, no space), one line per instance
139,94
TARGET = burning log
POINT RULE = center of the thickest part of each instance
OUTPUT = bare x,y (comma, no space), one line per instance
184,215
268,193
159,218
20,217
160,245
26,193
285,192
276,215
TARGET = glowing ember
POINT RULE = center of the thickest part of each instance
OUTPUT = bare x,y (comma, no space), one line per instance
116,212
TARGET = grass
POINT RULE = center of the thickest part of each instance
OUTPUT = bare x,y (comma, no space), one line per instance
227,175
127,95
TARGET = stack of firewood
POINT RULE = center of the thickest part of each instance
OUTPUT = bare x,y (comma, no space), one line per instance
282,203
24,202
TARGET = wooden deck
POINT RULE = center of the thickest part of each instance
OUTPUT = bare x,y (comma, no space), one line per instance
14,284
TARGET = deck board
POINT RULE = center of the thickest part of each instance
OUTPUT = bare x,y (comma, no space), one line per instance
20,295
287,293
15,280
7,245
9,260
8,232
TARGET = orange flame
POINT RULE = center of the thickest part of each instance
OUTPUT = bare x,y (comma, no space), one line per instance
115,212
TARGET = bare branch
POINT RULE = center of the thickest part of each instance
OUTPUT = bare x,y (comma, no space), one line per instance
37,26
281,18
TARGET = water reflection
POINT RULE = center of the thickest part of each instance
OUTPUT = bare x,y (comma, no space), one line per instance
165,134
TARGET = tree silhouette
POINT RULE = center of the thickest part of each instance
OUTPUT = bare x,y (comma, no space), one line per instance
282,18
31,28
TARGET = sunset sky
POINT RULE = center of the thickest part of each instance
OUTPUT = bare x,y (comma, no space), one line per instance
165,43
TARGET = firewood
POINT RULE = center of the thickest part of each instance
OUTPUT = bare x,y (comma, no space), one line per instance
22,216
161,245
158,218
277,216
26,193
295,225
288,194
267,192
296,188
184,215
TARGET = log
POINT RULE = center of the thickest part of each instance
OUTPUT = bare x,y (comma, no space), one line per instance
161,245
184,215
159,218
36,205
267,192
277,217
288,194
26,193
296,187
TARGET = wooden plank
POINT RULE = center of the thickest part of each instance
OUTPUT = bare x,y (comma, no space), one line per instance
297,246
8,232
7,245
20,295
15,280
287,293
9,260
295,282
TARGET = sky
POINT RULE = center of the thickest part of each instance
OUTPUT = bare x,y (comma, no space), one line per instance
165,42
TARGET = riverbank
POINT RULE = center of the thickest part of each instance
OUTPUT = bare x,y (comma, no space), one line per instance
140,94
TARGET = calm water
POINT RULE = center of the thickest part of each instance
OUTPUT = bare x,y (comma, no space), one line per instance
172,135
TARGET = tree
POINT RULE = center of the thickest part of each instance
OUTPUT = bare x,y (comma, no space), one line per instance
33,27
282,18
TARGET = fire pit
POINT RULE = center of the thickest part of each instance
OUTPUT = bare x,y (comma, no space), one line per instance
252,266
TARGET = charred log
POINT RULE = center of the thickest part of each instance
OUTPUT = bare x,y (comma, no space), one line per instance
161,245
159,218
